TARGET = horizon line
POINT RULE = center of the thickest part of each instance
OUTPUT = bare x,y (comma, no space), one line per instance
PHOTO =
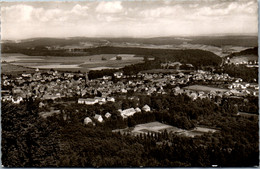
134,37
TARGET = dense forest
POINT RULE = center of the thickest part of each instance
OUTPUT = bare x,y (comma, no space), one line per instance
30,141
226,40
240,71
192,56
251,51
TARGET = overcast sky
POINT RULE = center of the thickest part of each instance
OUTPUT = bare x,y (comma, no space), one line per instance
21,20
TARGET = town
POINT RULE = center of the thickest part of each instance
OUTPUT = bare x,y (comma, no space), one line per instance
59,86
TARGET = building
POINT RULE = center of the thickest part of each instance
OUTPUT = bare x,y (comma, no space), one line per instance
138,110
81,101
98,118
100,100
17,100
127,112
146,108
87,120
107,115
110,99
87,101
118,74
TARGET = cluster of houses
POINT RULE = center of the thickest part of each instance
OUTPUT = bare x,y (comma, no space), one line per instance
97,117
92,101
248,63
53,85
240,87
49,85
216,92
131,111
124,113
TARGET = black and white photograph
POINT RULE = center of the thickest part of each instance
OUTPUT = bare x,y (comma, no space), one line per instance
147,83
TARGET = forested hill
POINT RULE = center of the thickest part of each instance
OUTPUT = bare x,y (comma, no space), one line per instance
250,51
193,56
196,57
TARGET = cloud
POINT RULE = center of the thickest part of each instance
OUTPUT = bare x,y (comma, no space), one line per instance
229,8
17,13
109,7
80,10
131,18
107,18
27,13
162,12
51,15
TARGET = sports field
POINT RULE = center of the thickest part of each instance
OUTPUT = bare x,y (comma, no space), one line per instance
157,127
204,88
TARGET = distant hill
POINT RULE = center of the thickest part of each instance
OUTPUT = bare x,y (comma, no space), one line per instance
246,41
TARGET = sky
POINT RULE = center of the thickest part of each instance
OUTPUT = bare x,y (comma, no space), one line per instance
21,20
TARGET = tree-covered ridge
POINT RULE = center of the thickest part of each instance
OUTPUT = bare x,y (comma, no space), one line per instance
250,51
192,56
30,141
240,71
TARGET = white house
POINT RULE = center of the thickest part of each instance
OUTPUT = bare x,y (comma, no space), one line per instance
17,100
118,74
98,118
107,115
127,112
123,90
88,101
138,110
146,108
193,96
81,101
111,99
87,120
100,100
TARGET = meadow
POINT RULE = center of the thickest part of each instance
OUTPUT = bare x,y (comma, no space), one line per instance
72,63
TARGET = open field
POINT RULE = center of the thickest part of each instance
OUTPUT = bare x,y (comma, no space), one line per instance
14,69
72,63
205,88
157,127
100,68
166,71
126,57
